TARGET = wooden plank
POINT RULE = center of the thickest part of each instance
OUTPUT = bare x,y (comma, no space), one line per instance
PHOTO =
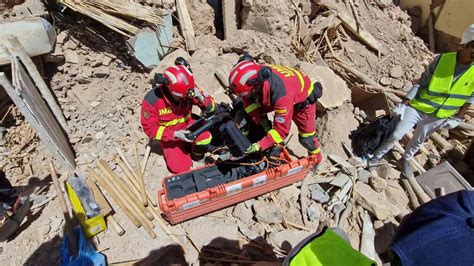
186,25
42,133
43,115
229,17
16,49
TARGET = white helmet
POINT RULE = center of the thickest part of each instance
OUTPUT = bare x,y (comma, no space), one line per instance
468,35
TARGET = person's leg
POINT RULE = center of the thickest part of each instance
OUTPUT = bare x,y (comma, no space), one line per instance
200,144
427,126
305,122
410,118
176,156
8,195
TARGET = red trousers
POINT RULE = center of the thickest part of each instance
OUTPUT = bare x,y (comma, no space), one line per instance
177,153
305,120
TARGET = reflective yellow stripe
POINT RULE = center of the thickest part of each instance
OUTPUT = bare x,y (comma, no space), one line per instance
304,135
311,88
275,136
159,133
245,133
300,77
175,121
213,107
252,107
315,151
280,111
204,141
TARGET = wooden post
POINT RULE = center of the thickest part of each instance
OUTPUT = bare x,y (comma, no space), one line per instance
67,218
145,159
186,25
141,183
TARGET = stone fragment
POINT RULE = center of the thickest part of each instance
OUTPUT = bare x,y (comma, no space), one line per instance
385,171
315,212
318,193
363,176
396,71
61,37
385,81
377,183
397,84
94,104
100,135
101,72
107,61
71,57
267,212
376,203
291,192
287,239
96,63
396,194
243,213
86,140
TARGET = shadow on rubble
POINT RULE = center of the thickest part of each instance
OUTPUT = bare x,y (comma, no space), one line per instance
220,251
46,254
97,37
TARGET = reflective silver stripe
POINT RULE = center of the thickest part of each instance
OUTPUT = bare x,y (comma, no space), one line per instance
455,96
247,75
234,188
176,67
177,94
439,106
171,76
294,170
190,204
233,76
245,65
186,81
259,180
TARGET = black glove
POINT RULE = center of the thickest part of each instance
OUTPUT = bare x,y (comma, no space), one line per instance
245,57
180,61
160,79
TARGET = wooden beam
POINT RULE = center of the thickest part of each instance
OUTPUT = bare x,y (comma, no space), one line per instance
186,25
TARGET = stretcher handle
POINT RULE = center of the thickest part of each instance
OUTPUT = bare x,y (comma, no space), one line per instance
161,193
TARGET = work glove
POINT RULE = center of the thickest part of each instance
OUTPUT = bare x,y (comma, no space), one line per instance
453,122
181,134
253,148
399,110
197,94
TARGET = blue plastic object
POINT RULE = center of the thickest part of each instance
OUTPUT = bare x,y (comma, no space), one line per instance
86,254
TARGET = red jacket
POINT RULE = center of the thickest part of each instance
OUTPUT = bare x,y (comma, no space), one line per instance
161,117
285,88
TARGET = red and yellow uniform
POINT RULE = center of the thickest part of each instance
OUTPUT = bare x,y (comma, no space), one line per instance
161,117
285,88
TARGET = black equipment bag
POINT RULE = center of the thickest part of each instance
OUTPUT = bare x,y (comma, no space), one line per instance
369,136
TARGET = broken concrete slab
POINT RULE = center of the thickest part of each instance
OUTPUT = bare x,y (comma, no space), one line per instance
340,180
376,203
335,90
267,212
291,192
229,16
396,194
318,193
363,175
315,212
288,239
213,230
243,213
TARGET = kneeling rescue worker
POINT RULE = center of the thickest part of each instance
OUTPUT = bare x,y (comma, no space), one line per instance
284,90
166,113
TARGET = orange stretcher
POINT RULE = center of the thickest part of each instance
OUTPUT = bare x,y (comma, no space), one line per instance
180,209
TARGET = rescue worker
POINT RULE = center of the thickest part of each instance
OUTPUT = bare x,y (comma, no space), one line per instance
166,113
284,90
440,99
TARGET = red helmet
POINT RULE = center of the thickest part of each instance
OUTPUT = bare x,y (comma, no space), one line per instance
240,76
181,80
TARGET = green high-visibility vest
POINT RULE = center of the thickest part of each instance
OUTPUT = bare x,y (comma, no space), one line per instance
443,98
327,248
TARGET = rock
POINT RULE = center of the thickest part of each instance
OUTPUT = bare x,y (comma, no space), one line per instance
95,104
75,140
291,192
318,193
249,203
385,171
55,223
363,176
384,3
100,135
61,37
378,224
376,203
70,45
335,90
107,61
287,239
96,63
315,212
253,232
71,57
396,71
243,213
101,72
385,81
267,212
396,194
86,140
168,60
398,84
377,183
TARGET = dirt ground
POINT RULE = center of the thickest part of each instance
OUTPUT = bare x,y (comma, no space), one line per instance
100,88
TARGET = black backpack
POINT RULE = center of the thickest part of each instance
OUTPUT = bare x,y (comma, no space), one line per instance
368,136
